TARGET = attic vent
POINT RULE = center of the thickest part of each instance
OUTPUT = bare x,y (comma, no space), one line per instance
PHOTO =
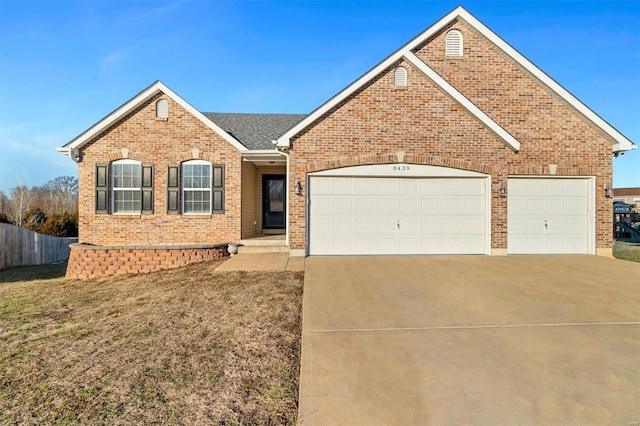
454,43
400,77
162,109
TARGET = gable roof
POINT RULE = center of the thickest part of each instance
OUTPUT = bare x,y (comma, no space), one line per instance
621,142
155,88
255,131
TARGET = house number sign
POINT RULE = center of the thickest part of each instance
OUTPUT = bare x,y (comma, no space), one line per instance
401,168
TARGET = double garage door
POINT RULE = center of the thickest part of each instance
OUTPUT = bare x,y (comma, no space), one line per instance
386,215
443,215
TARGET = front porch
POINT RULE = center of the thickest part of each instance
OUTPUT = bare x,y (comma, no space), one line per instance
274,243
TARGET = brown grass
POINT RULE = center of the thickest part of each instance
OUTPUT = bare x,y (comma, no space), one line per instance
187,346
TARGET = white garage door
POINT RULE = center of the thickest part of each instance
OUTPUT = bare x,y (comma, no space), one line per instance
548,216
386,215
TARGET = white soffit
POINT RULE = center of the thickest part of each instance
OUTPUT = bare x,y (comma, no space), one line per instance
621,142
133,103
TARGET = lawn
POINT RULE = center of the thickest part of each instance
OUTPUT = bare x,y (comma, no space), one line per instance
626,251
186,346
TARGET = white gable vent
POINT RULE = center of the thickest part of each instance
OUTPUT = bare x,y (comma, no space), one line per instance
400,77
162,109
453,44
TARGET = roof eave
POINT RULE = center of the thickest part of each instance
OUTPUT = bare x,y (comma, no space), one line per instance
621,142
79,141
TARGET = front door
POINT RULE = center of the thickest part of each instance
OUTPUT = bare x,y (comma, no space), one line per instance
273,201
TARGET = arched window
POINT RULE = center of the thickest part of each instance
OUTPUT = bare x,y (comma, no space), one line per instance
162,109
454,43
400,77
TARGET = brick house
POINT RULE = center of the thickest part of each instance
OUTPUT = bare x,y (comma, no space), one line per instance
454,144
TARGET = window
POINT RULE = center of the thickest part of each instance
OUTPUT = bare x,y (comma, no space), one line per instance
126,184
195,187
453,43
162,109
400,77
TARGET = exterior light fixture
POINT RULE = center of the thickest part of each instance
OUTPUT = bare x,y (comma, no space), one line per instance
502,191
608,192
298,188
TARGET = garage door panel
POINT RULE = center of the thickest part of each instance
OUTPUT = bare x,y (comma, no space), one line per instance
344,225
548,215
409,204
406,186
365,204
343,205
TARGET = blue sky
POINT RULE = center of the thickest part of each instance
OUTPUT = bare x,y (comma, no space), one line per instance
66,64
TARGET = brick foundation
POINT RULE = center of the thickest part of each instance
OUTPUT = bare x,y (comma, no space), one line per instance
89,261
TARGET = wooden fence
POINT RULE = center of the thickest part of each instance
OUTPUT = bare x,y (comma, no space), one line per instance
19,246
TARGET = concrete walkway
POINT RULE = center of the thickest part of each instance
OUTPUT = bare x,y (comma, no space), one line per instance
470,340
263,262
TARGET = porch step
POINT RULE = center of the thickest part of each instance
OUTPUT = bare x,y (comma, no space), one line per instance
275,241
273,248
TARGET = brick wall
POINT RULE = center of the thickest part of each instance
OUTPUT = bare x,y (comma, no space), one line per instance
161,142
379,120
96,261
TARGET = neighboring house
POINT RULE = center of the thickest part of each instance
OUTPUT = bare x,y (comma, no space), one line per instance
454,144
627,195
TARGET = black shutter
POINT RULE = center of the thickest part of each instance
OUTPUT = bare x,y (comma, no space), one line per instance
102,188
217,190
173,190
147,189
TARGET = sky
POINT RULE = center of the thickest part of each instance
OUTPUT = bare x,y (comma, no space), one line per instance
64,65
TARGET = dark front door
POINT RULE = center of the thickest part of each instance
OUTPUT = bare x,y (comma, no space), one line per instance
273,201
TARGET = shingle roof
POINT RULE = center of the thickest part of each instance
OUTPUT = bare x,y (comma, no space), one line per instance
255,131
621,192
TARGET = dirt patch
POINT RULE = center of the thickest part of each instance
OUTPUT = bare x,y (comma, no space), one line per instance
186,346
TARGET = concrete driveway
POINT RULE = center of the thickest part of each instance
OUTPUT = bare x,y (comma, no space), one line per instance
470,340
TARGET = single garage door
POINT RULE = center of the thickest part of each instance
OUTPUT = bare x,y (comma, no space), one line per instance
387,215
548,216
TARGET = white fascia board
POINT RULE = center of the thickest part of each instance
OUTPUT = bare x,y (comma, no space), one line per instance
284,140
134,102
622,143
462,100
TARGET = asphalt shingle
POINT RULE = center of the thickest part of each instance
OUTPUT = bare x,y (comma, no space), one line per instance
255,131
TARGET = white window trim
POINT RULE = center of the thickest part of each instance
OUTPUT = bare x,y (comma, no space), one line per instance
183,189
113,188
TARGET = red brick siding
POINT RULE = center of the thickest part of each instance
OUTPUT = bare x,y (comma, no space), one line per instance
98,261
551,131
142,137
379,120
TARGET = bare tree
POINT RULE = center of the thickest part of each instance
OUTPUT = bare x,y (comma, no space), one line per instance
61,194
21,198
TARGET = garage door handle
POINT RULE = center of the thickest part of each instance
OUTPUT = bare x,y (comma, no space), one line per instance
398,224
545,224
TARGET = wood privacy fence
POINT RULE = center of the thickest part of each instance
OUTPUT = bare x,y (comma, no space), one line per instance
19,246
